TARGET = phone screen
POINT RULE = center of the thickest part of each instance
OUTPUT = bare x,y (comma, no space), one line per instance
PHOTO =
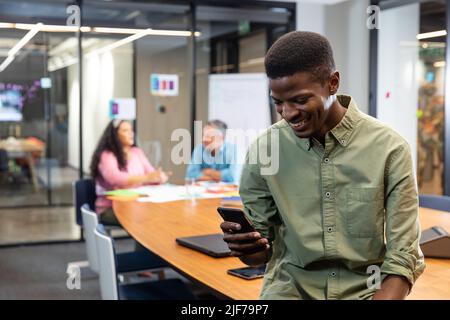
248,272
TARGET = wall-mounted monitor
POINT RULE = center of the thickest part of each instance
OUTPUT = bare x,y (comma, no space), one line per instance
10,105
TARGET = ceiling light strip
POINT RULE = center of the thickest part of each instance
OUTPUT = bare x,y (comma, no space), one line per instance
19,45
61,28
433,34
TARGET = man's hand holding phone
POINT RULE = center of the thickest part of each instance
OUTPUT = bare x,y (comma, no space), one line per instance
243,243
242,239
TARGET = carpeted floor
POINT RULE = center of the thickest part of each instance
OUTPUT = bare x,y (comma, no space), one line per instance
39,272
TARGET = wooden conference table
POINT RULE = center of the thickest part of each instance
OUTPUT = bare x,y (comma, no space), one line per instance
157,225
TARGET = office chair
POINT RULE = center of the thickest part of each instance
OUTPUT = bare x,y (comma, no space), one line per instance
6,174
171,289
4,165
84,193
126,262
435,202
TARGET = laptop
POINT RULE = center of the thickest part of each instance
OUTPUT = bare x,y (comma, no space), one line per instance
210,244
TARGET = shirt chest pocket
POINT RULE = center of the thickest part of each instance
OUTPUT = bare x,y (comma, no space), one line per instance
365,212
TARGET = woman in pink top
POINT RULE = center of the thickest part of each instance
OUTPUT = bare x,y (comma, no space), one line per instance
116,164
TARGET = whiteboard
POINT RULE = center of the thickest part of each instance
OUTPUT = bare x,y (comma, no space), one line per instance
241,100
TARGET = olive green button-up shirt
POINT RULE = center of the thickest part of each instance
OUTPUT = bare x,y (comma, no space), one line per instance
341,216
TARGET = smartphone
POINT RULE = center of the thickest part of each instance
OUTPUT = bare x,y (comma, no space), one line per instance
248,273
236,216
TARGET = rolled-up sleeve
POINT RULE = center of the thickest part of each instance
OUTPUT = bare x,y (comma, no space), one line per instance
259,205
227,174
403,255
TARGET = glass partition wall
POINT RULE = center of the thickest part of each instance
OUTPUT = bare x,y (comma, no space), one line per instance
33,105
409,55
54,108
235,40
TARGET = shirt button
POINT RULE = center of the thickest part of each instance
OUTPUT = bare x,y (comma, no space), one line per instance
343,142
333,274
330,229
326,160
328,194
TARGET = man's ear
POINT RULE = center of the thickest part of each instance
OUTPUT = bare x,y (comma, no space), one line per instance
334,82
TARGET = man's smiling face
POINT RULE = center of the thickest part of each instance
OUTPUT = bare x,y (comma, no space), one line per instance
302,101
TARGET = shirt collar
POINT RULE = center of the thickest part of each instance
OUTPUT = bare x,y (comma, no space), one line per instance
343,130
219,151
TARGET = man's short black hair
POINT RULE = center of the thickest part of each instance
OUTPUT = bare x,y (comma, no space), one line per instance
300,51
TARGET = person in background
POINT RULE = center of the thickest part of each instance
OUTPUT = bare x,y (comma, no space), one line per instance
116,164
214,159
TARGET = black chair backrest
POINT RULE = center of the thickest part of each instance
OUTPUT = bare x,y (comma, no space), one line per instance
84,193
3,161
435,202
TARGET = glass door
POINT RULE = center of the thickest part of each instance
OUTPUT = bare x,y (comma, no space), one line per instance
411,84
34,105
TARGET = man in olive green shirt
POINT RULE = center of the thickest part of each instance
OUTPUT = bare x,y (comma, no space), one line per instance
342,206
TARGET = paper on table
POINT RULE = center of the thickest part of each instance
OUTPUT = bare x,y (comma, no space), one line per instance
167,193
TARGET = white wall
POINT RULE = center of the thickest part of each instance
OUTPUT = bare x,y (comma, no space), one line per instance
345,28
344,25
311,17
106,76
398,67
